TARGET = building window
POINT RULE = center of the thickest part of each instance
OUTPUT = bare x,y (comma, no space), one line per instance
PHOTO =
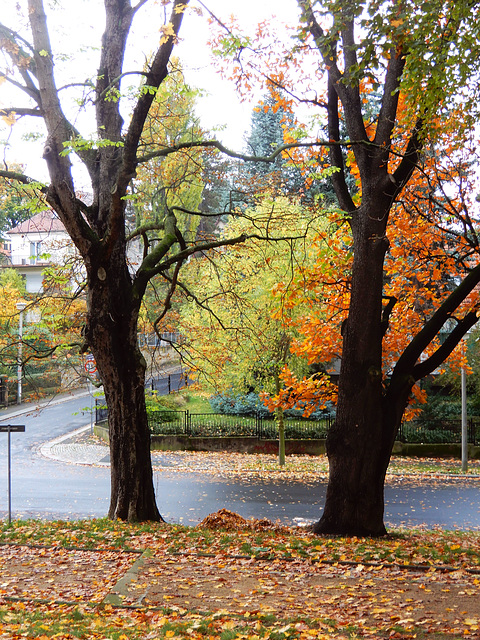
35,252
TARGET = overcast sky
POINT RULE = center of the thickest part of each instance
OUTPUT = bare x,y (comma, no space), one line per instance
223,106
79,25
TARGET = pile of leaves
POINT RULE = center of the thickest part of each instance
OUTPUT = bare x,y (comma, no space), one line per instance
230,521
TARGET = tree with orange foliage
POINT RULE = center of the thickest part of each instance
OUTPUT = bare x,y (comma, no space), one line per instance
420,60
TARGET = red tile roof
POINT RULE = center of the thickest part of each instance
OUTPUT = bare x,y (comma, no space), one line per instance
43,222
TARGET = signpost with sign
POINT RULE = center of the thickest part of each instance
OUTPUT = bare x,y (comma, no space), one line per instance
90,364
10,428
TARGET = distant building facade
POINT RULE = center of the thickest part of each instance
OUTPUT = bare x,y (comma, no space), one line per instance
43,241
35,244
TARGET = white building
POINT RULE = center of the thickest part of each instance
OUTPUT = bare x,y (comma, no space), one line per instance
35,244
43,241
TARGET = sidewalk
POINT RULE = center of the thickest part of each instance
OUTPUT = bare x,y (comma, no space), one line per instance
77,447
71,447
15,410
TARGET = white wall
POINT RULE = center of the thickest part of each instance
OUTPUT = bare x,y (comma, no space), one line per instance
54,243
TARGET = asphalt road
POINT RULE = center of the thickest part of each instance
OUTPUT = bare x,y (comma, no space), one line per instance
44,488
190,497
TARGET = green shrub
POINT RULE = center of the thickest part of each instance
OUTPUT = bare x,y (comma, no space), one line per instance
419,435
166,422
250,404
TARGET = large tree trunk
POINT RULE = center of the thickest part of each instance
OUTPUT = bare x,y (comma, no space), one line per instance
369,408
98,229
132,495
111,333
359,443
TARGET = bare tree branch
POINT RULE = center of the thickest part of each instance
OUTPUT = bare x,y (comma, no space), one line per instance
20,111
160,153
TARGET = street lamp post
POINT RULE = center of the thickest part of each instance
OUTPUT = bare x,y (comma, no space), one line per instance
20,306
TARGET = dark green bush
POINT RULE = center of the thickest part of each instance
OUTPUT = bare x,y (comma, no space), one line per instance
250,404
166,422
419,435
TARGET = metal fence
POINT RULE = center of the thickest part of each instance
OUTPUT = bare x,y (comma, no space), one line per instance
219,424
184,423
3,391
171,382
101,411
443,431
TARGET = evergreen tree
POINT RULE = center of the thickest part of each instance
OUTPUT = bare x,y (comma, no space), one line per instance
287,175
216,201
268,124
266,134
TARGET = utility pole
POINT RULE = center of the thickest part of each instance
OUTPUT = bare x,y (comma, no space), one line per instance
21,304
464,422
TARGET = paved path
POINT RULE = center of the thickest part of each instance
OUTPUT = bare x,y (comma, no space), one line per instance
71,449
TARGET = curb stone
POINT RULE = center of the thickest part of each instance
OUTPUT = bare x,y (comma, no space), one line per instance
119,589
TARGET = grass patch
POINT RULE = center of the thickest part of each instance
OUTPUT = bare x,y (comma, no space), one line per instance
183,400
197,402
290,552
456,548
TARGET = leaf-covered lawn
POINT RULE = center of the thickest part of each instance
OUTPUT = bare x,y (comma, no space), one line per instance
230,578
298,466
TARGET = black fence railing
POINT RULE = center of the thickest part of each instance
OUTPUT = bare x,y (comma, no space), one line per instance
184,423
3,391
169,383
219,424
441,432
101,411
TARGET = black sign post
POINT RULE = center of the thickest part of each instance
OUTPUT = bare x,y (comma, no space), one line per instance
10,428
